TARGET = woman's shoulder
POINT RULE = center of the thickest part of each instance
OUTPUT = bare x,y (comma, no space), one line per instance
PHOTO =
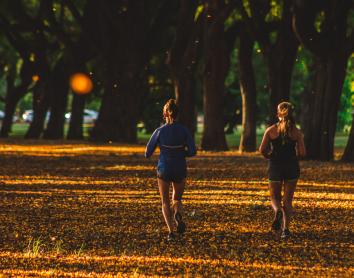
157,130
297,133
272,131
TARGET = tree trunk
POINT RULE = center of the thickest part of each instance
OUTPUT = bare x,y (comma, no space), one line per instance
348,155
13,96
40,109
76,120
248,93
332,48
117,120
329,80
216,67
185,96
10,108
280,67
307,99
124,56
280,61
182,61
58,91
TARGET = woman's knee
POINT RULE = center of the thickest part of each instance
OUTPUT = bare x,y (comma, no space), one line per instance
165,202
288,205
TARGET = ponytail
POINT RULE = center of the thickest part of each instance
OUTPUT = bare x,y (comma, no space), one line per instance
170,110
286,119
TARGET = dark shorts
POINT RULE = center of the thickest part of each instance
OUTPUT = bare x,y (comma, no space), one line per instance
171,174
283,171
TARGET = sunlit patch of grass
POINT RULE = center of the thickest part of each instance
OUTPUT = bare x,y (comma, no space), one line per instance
34,247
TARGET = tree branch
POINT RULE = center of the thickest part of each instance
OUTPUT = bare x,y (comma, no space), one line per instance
15,40
74,11
303,26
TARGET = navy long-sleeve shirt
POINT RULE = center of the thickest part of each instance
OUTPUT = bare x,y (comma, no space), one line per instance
175,143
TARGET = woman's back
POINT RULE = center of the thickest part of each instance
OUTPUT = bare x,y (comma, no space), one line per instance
174,140
283,149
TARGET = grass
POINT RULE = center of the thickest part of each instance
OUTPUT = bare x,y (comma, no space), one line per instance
233,140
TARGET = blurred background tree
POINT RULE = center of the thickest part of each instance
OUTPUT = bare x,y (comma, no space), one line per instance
228,64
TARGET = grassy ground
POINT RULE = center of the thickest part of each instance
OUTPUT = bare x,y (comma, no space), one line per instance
233,140
93,210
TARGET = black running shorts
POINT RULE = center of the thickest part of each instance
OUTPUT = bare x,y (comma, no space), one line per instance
283,171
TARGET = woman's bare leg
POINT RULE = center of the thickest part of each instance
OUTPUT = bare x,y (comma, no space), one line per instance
289,189
275,194
164,188
178,189
275,198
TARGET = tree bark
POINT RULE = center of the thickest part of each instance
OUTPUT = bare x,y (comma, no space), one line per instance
124,56
58,95
182,61
330,76
332,52
76,120
281,61
216,67
40,108
248,93
117,120
13,96
280,55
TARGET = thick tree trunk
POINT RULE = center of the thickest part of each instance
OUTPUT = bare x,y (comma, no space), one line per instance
329,80
248,93
125,55
280,61
332,48
182,61
13,96
40,109
216,67
348,155
185,96
58,91
307,99
117,120
10,108
280,67
76,120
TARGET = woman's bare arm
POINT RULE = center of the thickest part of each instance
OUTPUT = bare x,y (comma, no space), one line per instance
300,146
263,148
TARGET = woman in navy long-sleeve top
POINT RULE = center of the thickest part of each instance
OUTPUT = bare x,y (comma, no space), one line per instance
175,143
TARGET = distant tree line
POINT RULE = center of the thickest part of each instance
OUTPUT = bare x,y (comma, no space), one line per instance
232,60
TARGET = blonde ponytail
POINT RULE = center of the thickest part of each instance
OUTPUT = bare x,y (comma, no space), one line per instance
286,119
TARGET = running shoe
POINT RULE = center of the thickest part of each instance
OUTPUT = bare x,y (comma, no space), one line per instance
181,227
285,234
276,225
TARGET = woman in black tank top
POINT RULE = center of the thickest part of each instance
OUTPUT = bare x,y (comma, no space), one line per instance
282,144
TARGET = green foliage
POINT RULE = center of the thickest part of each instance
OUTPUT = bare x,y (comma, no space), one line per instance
198,12
276,9
345,115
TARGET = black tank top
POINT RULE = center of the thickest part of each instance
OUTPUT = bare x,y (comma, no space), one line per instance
283,149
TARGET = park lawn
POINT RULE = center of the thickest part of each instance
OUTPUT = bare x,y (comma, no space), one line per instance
233,140
80,209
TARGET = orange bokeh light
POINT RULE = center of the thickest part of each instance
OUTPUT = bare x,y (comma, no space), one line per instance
80,83
35,78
